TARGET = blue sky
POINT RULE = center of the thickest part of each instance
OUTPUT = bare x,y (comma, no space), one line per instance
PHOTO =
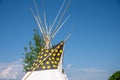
93,48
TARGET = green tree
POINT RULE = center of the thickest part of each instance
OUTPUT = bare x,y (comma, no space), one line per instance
115,76
31,52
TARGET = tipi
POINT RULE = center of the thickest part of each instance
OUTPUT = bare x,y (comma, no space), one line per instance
48,65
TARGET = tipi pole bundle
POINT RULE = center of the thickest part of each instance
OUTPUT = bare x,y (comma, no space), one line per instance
55,32
45,30
59,21
57,15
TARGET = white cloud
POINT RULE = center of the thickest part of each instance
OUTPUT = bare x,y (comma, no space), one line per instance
11,71
91,74
69,66
91,70
86,73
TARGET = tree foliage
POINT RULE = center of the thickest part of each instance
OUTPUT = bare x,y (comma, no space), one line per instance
31,52
115,76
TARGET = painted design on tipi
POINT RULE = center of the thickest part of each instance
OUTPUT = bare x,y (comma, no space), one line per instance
48,58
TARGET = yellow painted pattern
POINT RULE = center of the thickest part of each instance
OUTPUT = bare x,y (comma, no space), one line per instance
48,58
